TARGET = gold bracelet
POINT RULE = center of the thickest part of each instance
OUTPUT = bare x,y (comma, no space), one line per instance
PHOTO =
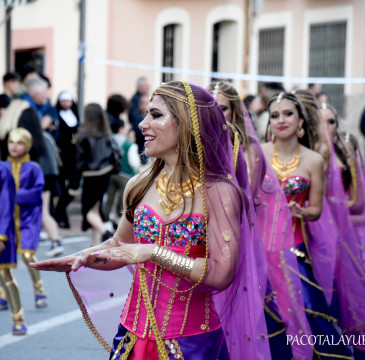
190,267
182,265
164,257
171,261
176,266
154,253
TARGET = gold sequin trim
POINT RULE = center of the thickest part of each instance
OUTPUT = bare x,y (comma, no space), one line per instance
86,316
236,148
151,315
178,354
186,312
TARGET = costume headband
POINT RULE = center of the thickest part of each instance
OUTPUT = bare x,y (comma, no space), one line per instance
21,135
217,90
162,91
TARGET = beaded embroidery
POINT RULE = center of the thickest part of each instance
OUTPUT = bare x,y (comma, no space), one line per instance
146,224
295,185
185,230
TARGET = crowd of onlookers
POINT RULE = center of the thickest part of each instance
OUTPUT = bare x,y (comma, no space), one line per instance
48,158
77,159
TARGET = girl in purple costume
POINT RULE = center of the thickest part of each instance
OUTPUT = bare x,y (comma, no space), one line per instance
301,172
200,297
8,251
29,182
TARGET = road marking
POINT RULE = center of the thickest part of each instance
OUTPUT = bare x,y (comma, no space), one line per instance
66,241
62,319
40,327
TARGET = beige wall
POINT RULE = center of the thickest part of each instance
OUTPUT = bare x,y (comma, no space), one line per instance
144,19
131,31
54,25
299,14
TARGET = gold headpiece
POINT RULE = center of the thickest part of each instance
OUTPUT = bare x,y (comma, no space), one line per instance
21,135
217,90
176,96
280,97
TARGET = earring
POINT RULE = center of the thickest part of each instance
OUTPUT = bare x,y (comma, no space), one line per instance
300,133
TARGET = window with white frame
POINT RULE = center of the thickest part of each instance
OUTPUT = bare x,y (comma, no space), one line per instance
327,57
224,47
172,45
271,51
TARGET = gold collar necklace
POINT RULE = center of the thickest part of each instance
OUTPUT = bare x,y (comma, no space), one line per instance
175,194
283,169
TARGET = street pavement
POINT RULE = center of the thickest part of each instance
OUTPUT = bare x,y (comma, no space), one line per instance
57,331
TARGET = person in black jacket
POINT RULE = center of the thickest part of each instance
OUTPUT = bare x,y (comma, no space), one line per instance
66,142
93,162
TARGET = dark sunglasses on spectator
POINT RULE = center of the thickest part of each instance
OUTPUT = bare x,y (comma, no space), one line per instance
331,121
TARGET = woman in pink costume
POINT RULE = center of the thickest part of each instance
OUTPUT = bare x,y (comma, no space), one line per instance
195,292
301,172
345,191
284,308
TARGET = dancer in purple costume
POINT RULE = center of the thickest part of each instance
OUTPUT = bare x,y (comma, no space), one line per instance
348,302
284,307
300,172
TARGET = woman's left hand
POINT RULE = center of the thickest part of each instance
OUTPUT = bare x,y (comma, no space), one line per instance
124,254
296,210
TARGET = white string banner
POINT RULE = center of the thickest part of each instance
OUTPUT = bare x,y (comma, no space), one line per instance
233,76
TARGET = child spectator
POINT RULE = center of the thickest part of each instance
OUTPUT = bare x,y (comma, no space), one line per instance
9,290
29,183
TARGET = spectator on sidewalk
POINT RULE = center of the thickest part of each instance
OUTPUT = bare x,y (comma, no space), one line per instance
93,162
37,97
138,109
66,142
131,164
10,85
44,152
116,106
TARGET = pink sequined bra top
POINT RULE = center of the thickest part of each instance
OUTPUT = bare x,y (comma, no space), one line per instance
296,188
177,314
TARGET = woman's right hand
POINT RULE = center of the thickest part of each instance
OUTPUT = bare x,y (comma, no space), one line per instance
64,264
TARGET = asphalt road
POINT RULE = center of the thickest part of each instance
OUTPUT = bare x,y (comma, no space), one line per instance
56,332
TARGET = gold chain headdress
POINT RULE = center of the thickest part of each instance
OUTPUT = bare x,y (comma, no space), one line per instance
217,90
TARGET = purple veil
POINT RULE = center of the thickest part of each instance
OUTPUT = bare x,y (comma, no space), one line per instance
240,305
357,201
276,230
349,295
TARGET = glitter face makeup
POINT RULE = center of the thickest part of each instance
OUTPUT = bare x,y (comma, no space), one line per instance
160,130
162,120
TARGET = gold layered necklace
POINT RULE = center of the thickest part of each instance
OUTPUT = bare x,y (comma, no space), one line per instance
283,169
176,194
